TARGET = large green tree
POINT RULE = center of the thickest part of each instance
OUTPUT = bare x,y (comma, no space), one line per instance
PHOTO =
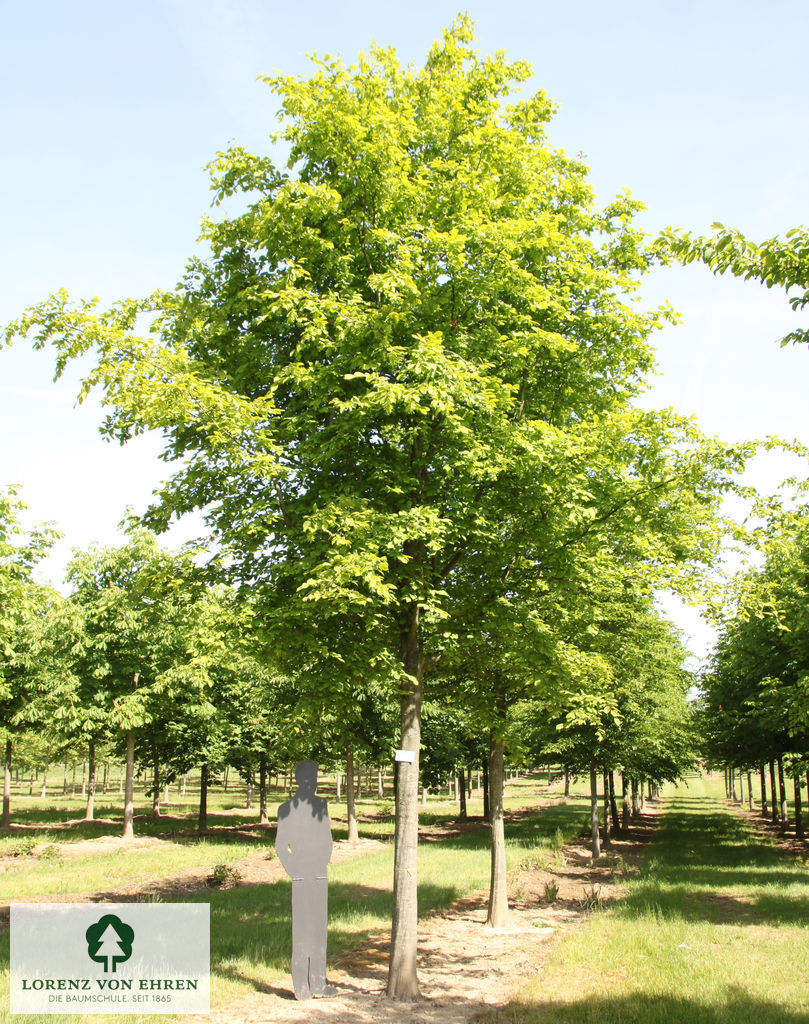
365,381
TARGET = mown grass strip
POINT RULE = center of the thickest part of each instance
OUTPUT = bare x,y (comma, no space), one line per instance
715,931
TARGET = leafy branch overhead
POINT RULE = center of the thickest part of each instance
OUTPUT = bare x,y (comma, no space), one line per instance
774,262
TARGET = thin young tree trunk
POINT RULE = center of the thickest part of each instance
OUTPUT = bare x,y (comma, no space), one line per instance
129,787
5,822
462,793
155,783
642,791
91,780
749,791
487,811
73,782
380,784
798,809
782,792
616,823
497,916
44,790
567,782
263,817
625,808
250,787
403,981
763,792
351,811
594,836
202,819
773,793
607,832
64,779
225,777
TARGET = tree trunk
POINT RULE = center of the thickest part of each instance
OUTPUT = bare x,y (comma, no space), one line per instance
594,836
487,811
498,891
44,789
635,803
607,832
782,792
5,822
625,809
155,783
202,819
403,983
73,782
91,780
798,809
380,784
567,782
83,778
129,787
251,785
773,793
763,792
616,823
225,778
749,791
642,792
351,809
263,817
462,793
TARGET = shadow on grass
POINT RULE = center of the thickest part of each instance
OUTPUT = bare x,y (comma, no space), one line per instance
698,854
251,928
640,1008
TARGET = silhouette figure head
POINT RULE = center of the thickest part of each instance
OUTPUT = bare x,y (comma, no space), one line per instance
306,777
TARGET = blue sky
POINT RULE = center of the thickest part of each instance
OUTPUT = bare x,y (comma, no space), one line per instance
110,112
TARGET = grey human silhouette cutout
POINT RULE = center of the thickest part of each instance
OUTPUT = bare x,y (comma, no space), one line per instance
303,844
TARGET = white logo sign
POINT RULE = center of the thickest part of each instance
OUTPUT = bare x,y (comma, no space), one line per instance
110,958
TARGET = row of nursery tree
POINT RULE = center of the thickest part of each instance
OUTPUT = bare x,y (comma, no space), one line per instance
146,661
755,705
398,382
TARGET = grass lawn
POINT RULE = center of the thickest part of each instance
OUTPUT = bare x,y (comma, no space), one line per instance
715,931
251,925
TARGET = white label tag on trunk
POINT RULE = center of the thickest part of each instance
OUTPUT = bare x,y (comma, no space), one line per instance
406,755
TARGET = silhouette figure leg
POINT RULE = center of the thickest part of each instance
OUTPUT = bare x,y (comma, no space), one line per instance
309,931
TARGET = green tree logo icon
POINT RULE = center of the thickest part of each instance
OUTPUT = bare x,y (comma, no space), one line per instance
109,941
